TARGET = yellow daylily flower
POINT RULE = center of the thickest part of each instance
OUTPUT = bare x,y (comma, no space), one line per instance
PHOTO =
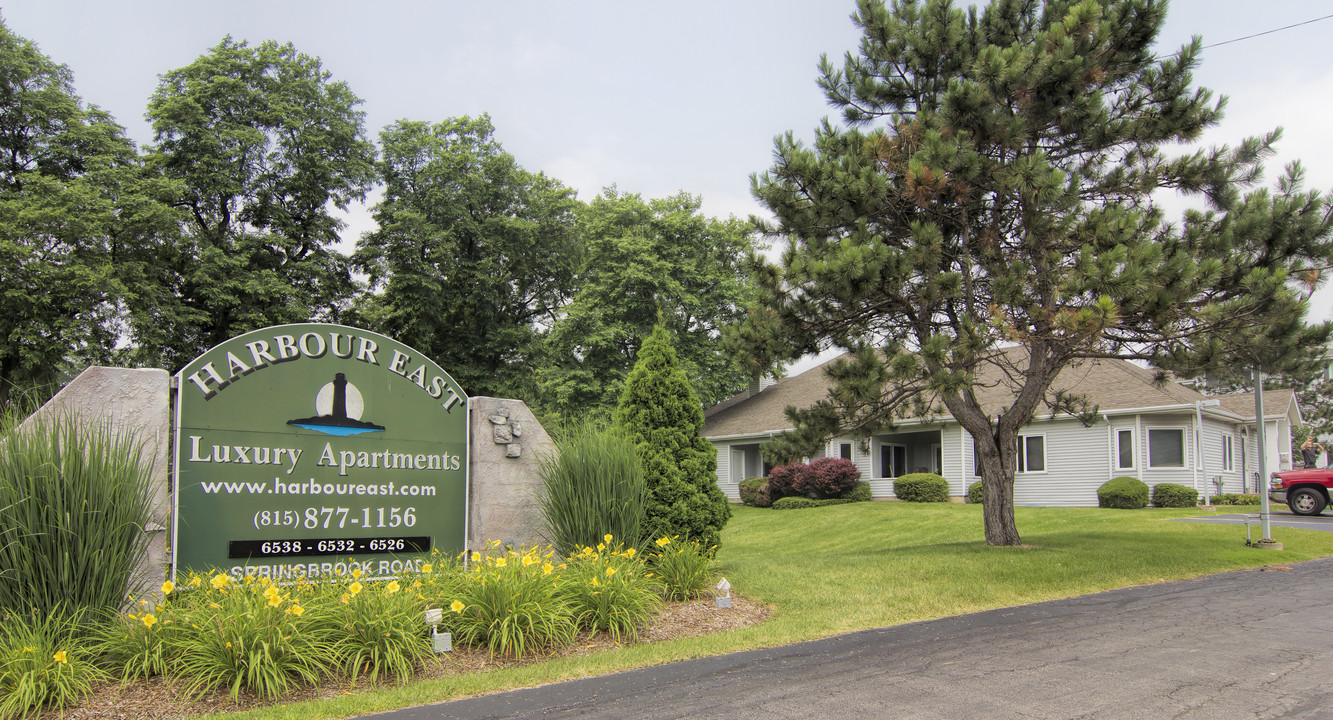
629,552
220,581
476,556
391,588
149,620
426,568
499,562
610,571
607,538
354,588
345,598
457,606
167,587
547,568
663,542
60,657
296,610
356,574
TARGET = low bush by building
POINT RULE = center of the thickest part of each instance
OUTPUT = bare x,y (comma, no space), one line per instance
975,494
1171,495
1235,499
921,487
754,492
1125,493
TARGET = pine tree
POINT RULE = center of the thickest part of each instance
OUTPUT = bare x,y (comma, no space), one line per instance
661,412
993,184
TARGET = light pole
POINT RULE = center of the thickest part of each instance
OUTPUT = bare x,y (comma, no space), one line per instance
1267,541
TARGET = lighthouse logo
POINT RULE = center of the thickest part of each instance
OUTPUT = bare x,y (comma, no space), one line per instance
338,408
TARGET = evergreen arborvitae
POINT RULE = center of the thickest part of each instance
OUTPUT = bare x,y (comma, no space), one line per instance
660,411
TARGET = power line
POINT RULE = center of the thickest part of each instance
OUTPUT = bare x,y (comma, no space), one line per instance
1266,32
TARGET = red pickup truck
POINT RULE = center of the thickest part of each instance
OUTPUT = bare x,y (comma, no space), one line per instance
1306,492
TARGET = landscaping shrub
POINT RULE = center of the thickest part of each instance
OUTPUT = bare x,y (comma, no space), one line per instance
754,492
1171,495
860,492
921,487
608,589
1236,499
685,568
660,411
794,503
75,498
511,605
42,664
593,486
1125,493
828,478
975,493
785,480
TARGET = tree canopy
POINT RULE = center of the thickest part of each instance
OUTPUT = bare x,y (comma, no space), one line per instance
993,183
646,261
72,201
473,254
263,146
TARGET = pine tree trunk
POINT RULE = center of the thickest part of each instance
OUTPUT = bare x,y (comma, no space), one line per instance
997,483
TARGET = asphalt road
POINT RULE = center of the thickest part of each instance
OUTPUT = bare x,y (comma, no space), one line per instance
1249,644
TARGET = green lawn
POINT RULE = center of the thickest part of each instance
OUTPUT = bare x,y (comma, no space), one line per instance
842,568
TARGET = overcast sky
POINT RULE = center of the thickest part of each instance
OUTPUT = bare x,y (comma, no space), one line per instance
654,98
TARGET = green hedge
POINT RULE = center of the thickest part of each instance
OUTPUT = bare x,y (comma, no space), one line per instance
1125,493
1236,499
859,493
974,493
1171,495
921,487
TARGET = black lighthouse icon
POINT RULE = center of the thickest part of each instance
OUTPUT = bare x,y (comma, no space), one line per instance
337,420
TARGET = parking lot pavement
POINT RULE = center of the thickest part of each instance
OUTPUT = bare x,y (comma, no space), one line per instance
1278,518
1245,644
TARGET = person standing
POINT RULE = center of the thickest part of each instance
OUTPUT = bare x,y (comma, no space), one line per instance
1310,452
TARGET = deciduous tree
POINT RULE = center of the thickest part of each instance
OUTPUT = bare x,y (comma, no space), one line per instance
73,200
993,184
473,256
646,260
263,146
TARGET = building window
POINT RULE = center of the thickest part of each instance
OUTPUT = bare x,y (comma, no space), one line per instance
892,461
1125,449
1228,453
1031,453
1166,447
845,451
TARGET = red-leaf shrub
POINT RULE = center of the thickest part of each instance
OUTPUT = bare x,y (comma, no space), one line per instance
786,480
829,477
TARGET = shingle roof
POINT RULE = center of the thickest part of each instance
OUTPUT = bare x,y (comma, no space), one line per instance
1110,384
1276,402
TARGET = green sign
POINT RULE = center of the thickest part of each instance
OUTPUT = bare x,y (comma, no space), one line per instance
309,450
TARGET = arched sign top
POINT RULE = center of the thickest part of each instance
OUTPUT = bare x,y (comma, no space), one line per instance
313,448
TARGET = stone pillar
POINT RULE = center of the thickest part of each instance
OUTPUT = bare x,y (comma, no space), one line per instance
137,402
505,449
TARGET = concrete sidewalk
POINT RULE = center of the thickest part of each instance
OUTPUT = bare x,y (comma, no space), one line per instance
1244,644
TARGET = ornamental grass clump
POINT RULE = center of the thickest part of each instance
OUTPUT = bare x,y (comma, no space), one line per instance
510,603
43,664
610,589
594,485
684,568
76,498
